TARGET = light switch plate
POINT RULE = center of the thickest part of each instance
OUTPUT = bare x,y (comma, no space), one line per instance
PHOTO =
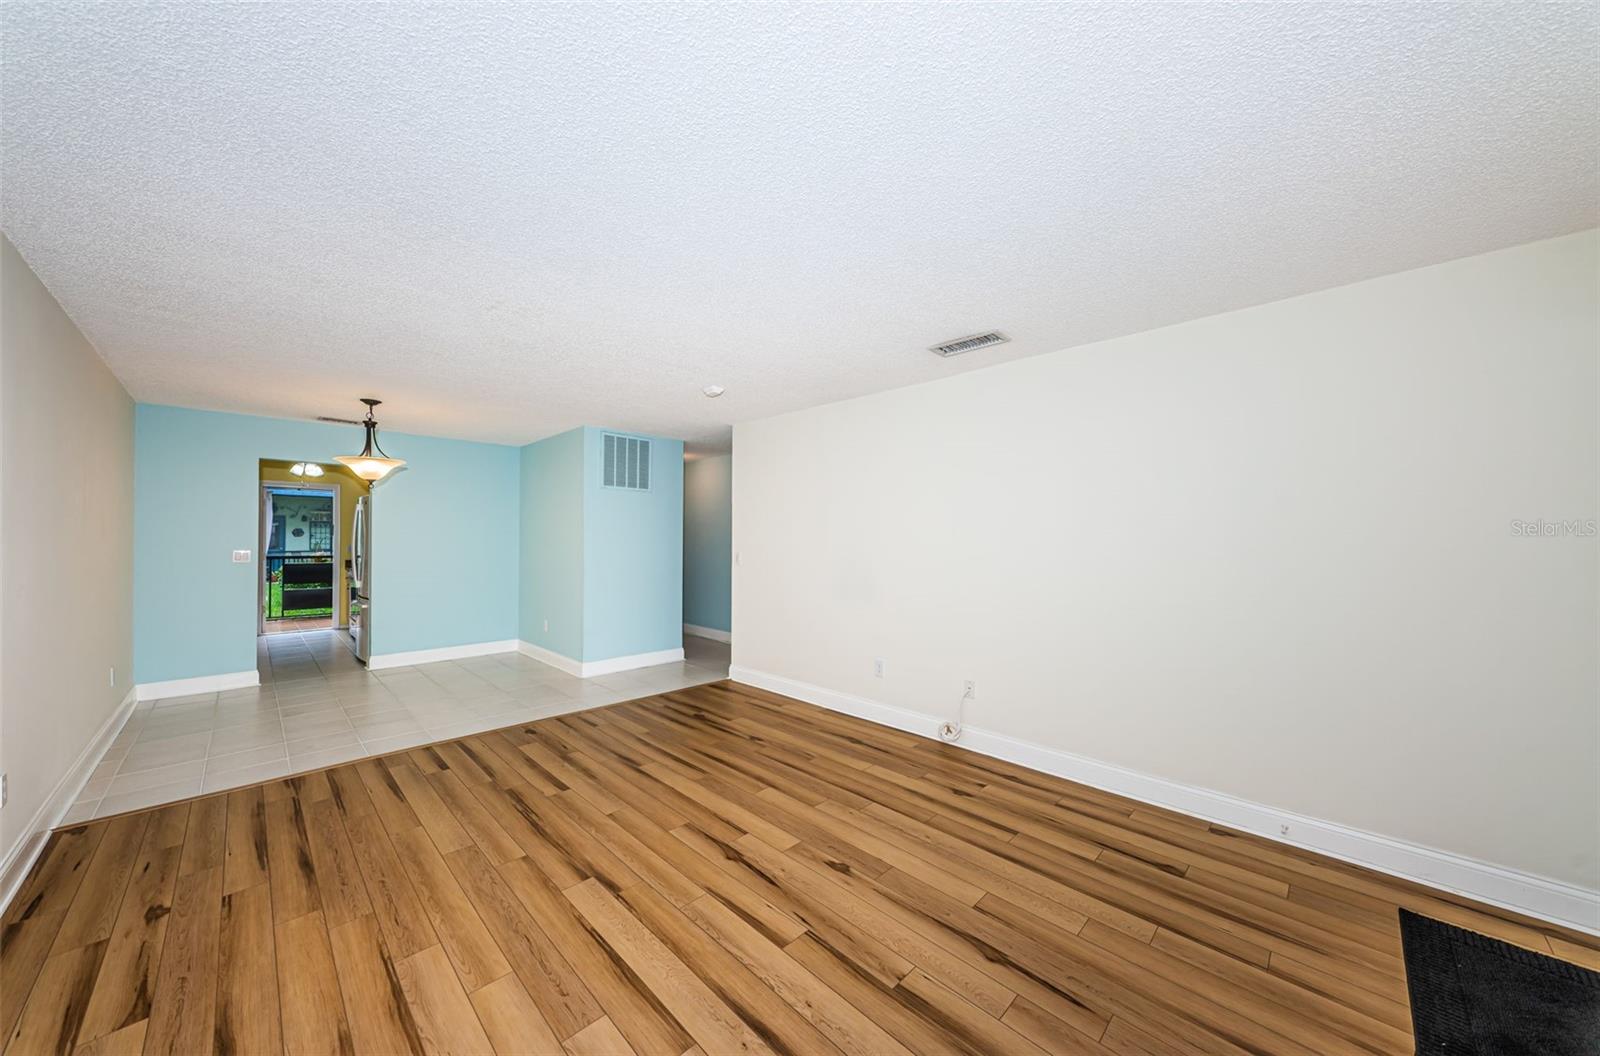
241,557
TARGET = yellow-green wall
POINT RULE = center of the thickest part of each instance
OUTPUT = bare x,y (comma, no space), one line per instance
351,487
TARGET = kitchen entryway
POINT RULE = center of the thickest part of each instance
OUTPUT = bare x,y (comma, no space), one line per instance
303,573
298,563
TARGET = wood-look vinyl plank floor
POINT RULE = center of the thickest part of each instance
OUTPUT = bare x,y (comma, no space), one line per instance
713,870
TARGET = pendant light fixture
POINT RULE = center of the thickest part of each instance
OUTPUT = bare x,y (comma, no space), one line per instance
371,464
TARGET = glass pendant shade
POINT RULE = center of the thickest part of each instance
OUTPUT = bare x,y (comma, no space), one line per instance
371,470
371,464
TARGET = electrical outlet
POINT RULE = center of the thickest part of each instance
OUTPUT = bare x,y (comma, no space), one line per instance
547,625
5,788
111,678
241,557
877,667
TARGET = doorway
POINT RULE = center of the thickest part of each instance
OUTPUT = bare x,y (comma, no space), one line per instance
298,575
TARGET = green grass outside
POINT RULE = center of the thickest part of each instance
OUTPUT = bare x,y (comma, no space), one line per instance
275,603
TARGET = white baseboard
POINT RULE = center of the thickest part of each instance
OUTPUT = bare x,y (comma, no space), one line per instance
628,663
707,632
20,857
379,661
559,661
1526,893
184,687
591,668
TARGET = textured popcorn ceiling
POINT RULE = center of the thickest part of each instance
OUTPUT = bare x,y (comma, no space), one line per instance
510,220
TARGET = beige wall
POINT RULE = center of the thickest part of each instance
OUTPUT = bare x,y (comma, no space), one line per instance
66,544
1269,553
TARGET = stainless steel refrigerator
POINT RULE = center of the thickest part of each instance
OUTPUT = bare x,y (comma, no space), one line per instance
361,579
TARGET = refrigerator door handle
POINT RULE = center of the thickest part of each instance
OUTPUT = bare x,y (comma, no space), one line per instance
358,551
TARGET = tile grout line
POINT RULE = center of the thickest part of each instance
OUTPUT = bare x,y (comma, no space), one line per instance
477,695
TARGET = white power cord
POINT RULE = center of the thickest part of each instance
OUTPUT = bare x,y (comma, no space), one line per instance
950,732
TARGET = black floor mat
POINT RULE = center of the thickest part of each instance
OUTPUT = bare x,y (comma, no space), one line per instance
1476,996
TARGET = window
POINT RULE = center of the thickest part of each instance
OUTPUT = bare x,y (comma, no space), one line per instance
321,525
279,524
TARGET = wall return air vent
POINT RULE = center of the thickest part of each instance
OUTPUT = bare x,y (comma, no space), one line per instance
968,343
626,462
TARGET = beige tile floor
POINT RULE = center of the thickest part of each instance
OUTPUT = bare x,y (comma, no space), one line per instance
318,706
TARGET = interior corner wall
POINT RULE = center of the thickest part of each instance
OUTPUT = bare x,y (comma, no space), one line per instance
66,548
708,542
444,544
632,556
1333,554
550,586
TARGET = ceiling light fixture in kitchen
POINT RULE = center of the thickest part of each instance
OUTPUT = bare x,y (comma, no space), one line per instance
371,464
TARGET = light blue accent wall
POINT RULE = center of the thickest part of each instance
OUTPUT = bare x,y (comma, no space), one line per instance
445,547
632,556
444,544
551,543
472,542
708,542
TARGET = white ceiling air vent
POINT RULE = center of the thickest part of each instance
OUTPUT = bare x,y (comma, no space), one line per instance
626,463
967,344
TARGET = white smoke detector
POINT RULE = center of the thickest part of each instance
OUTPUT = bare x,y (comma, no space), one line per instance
713,391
